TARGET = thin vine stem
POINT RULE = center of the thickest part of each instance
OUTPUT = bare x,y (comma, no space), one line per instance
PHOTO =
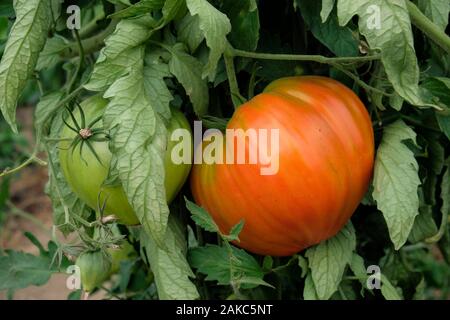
428,27
32,158
236,96
80,61
302,57
336,62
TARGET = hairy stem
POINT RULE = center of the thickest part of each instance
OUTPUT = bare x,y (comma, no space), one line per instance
91,44
428,27
80,61
236,97
33,158
302,57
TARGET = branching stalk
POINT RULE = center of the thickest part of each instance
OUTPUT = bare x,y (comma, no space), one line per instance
428,27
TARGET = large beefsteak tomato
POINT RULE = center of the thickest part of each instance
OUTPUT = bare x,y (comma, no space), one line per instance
326,155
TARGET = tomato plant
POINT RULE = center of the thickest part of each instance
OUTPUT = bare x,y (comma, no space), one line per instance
355,192
85,161
324,167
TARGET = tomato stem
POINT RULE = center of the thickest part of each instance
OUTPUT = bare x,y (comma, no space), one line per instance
236,96
80,61
428,27
302,57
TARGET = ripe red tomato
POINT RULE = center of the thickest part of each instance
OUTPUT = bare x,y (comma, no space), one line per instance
326,154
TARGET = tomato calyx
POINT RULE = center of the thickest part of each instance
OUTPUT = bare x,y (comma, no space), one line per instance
85,133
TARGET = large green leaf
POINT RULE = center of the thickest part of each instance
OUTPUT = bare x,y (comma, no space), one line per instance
328,260
121,53
169,265
139,138
26,40
396,181
215,26
387,27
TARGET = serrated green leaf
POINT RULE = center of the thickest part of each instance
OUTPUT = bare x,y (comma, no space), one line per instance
49,56
121,53
244,19
216,263
309,291
139,143
201,217
396,181
327,261
338,39
215,26
437,11
187,70
327,7
26,40
189,32
387,27
169,265
388,290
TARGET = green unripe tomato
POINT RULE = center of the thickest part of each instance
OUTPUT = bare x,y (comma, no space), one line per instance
94,268
125,252
85,174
